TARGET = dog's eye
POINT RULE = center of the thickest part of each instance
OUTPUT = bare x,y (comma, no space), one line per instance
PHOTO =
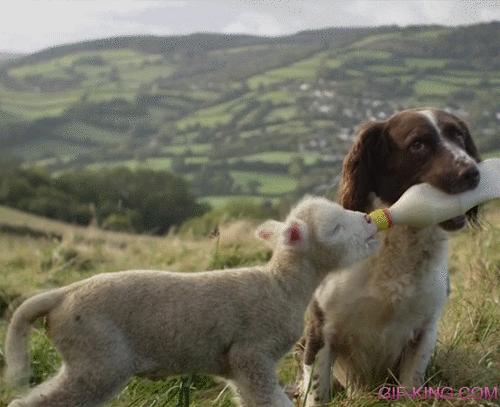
460,138
418,146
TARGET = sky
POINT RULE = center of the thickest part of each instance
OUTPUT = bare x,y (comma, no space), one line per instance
30,25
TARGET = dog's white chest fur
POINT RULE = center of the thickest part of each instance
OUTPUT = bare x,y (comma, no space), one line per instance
375,309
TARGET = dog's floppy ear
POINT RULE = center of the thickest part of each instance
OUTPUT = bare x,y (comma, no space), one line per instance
360,167
269,232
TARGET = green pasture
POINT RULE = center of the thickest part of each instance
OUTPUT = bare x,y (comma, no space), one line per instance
154,163
434,87
426,62
279,157
301,70
84,133
271,184
387,69
281,113
182,149
218,201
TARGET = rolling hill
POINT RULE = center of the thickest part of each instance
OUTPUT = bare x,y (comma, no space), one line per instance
241,115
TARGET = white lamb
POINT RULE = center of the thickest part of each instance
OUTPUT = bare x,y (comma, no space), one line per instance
235,324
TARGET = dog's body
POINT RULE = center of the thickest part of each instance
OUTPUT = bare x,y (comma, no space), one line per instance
378,321
233,323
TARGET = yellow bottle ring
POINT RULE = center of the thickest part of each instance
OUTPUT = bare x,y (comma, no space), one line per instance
381,218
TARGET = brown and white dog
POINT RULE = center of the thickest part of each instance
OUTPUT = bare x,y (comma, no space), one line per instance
379,320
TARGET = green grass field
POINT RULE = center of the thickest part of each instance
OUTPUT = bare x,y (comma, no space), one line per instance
279,157
467,354
220,200
159,163
271,184
434,87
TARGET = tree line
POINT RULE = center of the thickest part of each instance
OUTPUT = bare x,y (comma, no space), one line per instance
142,201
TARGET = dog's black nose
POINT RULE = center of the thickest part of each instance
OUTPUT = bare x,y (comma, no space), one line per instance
470,176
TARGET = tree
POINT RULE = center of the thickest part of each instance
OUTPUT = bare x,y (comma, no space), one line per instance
178,163
296,167
253,186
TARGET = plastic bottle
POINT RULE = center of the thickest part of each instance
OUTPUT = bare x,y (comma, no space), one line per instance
423,205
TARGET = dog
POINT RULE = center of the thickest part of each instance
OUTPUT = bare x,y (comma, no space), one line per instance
378,321
235,324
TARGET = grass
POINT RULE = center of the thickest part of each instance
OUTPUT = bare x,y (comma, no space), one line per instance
467,354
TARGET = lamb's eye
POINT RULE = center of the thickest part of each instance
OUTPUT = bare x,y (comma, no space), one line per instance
336,229
418,146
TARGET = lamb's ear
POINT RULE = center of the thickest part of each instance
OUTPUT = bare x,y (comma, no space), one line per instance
269,231
296,234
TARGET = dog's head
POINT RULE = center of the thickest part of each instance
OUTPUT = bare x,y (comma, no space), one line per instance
411,147
321,230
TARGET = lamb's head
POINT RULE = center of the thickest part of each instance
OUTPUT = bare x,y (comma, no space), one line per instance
331,236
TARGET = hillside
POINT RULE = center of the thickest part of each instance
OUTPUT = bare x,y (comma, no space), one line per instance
241,115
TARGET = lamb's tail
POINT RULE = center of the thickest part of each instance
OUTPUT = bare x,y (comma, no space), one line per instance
18,371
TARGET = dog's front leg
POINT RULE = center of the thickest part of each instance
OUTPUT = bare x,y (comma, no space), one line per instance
316,383
315,386
416,356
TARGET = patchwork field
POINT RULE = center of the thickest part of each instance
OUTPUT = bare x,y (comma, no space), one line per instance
205,104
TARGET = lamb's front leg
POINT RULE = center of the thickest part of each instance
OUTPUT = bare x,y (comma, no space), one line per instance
416,356
255,380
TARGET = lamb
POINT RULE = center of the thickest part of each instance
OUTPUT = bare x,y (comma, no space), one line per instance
234,324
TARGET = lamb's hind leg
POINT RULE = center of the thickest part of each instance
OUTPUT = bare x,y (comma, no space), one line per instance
75,388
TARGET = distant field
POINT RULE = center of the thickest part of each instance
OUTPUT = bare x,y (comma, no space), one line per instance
280,157
252,99
434,87
426,62
162,163
219,201
271,184
302,70
185,148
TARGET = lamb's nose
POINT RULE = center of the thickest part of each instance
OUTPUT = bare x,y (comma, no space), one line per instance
368,219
